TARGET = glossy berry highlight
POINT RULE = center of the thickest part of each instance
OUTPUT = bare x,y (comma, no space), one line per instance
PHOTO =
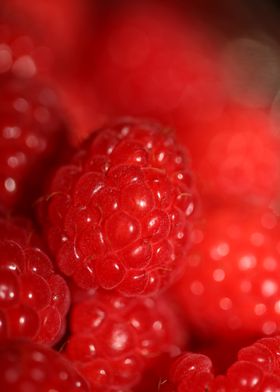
115,339
119,215
34,299
29,366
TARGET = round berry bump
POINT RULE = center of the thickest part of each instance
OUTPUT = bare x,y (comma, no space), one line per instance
34,300
118,216
114,339
257,369
29,366
230,288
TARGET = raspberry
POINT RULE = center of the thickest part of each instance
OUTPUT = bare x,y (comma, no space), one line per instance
31,134
28,366
189,371
230,288
119,215
34,299
257,369
31,128
114,339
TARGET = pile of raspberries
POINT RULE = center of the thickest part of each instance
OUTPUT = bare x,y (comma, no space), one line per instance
139,205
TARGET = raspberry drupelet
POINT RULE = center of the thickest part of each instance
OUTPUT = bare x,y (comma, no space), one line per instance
114,339
34,299
29,366
256,369
119,215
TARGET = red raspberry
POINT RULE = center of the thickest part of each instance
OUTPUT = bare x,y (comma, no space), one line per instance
230,288
31,128
28,366
257,369
114,339
31,134
33,299
118,215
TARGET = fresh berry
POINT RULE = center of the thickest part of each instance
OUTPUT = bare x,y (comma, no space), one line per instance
28,366
119,215
237,156
34,299
257,369
114,339
31,137
31,127
230,288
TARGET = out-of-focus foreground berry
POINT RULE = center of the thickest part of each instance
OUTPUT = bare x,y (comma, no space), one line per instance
256,369
34,299
31,367
119,215
114,340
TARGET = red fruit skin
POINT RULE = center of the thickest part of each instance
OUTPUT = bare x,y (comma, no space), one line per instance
256,369
34,299
230,288
119,215
29,366
114,339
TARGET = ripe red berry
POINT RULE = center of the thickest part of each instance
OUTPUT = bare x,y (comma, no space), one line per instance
31,135
28,366
34,299
257,369
230,288
31,127
118,216
115,339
